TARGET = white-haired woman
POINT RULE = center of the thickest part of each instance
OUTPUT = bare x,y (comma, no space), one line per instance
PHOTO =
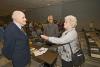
69,36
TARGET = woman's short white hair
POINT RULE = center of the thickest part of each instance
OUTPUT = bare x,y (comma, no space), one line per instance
72,20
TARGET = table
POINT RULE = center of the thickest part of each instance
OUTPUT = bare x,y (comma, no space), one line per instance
48,57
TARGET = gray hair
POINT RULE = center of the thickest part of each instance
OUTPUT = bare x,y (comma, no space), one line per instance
16,14
72,20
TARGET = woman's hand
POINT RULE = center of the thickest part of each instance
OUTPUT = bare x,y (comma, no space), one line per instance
44,37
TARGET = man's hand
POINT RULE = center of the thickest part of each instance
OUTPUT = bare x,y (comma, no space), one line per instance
44,37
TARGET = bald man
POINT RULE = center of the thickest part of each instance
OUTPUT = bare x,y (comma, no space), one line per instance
16,46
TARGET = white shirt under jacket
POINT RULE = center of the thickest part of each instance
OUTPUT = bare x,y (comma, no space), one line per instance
69,36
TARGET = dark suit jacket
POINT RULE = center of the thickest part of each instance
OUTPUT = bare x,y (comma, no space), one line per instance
16,46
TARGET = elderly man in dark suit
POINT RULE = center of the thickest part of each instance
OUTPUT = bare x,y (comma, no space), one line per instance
16,46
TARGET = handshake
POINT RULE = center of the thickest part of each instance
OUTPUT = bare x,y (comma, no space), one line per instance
44,37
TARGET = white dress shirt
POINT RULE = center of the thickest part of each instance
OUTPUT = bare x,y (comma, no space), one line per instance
18,25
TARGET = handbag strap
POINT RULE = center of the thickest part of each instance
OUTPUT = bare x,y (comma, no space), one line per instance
70,48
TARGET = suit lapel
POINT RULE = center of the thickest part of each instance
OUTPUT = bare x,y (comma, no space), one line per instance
19,30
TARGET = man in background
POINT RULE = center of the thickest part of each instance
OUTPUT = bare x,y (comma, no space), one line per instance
51,29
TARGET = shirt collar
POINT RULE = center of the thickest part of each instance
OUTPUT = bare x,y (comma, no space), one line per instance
18,25
69,30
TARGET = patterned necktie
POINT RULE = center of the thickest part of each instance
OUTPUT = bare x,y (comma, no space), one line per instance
22,29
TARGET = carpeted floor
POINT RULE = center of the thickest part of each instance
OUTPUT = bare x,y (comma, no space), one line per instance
90,62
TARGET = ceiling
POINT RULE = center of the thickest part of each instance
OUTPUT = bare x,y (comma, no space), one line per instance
7,6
